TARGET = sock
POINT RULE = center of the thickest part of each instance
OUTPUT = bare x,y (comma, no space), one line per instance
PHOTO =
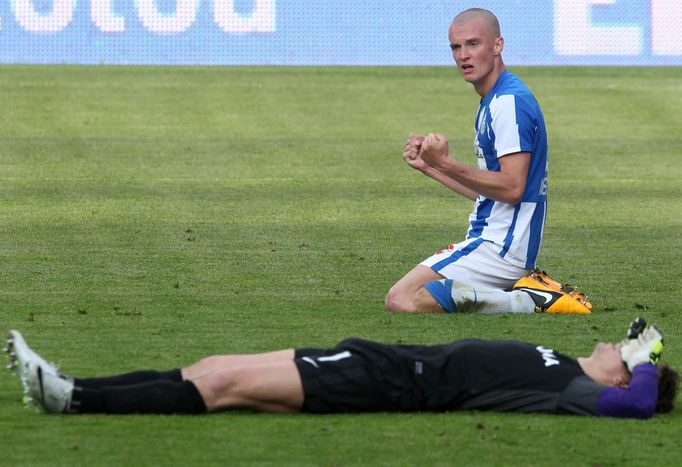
466,299
152,397
127,379
441,292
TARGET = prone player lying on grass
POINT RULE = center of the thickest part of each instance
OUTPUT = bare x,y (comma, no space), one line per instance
619,380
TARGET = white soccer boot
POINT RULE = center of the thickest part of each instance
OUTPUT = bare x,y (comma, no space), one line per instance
20,355
52,391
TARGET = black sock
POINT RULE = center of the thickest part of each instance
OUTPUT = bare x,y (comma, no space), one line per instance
160,396
127,379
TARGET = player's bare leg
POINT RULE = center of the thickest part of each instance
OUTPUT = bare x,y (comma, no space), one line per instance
268,387
409,295
218,362
424,290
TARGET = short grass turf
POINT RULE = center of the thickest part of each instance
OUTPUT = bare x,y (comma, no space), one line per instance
151,216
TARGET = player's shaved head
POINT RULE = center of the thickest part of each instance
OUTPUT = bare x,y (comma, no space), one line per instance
489,19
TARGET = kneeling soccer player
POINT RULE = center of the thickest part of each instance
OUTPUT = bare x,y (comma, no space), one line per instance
619,380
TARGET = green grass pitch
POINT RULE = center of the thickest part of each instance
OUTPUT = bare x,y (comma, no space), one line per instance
151,216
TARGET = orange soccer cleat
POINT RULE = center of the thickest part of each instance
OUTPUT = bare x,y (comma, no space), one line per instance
552,297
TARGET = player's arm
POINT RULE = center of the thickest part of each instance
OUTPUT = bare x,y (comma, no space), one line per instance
638,400
507,185
640,353
452,184
411,156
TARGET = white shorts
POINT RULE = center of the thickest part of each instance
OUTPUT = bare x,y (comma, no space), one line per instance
476,262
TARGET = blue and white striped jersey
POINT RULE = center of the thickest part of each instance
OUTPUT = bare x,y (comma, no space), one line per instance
509,120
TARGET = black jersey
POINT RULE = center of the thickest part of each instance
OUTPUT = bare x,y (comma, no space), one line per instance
469,374
521,377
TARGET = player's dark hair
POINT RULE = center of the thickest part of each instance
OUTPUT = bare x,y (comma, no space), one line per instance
668,382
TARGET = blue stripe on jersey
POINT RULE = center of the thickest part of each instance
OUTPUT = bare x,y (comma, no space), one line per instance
482,214
491,161
457,254
537,223
510,233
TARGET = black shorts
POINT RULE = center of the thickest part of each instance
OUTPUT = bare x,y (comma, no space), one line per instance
364,376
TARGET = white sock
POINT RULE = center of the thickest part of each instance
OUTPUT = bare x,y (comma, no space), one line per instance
490,301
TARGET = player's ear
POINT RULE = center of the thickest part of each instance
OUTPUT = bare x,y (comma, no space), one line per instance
499,45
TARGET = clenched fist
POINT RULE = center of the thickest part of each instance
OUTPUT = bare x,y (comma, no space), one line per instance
434,149
411,150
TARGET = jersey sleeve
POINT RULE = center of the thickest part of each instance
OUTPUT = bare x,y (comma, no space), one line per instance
583,396
580,397
638,400
514,124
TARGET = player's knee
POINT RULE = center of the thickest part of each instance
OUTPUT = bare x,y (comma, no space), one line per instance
204,366
219,387
210,362
398,301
